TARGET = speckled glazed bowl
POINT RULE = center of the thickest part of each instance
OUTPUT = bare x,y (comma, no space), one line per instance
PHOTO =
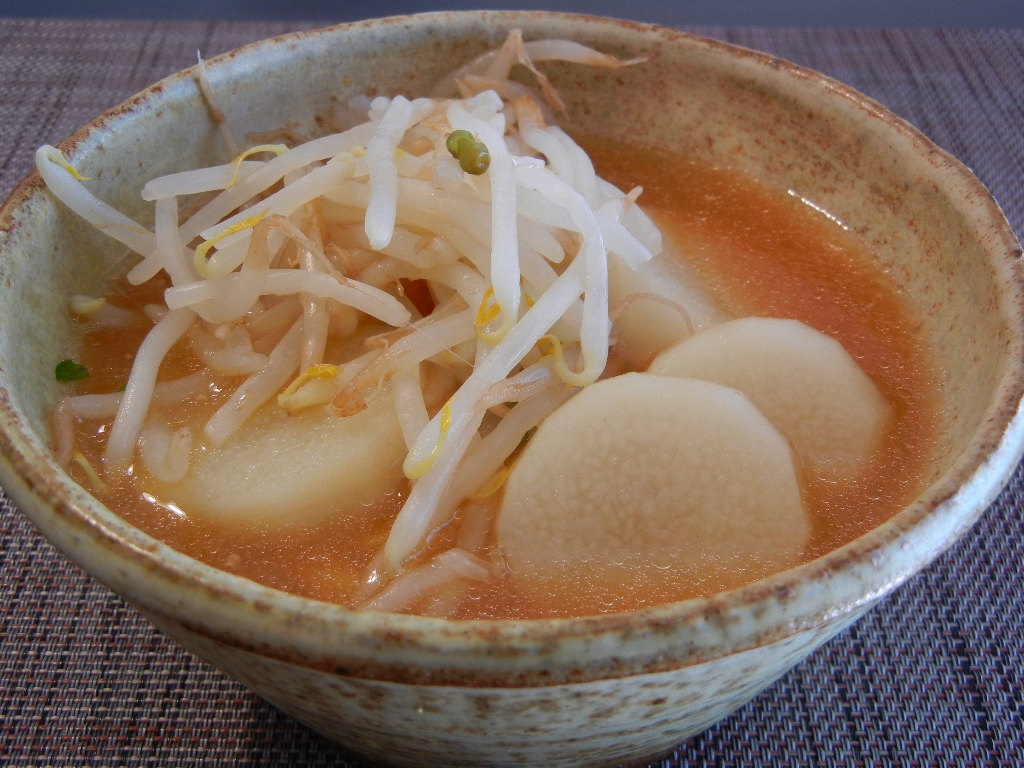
600,690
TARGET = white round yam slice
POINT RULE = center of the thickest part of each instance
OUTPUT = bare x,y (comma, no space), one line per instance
803,381
641,478
282,470
659,303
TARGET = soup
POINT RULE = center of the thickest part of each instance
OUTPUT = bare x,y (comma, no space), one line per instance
746,250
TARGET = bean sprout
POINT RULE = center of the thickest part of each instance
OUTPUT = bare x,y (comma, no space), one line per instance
491,288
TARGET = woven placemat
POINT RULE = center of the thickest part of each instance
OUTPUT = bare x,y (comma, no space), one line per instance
931,677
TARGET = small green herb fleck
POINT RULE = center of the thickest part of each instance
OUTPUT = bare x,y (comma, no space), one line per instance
68,371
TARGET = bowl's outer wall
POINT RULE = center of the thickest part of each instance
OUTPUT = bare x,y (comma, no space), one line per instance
939,235
577,724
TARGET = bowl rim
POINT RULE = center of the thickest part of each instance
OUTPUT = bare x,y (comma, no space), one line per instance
633,642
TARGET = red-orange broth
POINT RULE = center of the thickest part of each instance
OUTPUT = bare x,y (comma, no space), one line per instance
761,251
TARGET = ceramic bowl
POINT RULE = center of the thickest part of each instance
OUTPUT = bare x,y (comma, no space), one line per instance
600,690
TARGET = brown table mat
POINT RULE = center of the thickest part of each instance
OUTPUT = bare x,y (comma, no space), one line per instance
932,677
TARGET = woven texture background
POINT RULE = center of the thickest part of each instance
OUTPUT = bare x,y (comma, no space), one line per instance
932,677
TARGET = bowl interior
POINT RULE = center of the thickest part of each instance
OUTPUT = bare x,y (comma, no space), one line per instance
928,221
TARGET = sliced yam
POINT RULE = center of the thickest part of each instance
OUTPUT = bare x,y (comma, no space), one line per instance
803,381
283,470
647,479
657,304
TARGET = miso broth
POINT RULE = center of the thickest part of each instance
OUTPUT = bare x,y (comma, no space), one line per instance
760,251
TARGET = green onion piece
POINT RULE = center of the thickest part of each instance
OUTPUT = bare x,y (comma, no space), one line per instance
472,155
68,371
474,158
454,139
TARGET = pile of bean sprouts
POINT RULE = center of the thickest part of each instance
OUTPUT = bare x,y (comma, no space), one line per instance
305,244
